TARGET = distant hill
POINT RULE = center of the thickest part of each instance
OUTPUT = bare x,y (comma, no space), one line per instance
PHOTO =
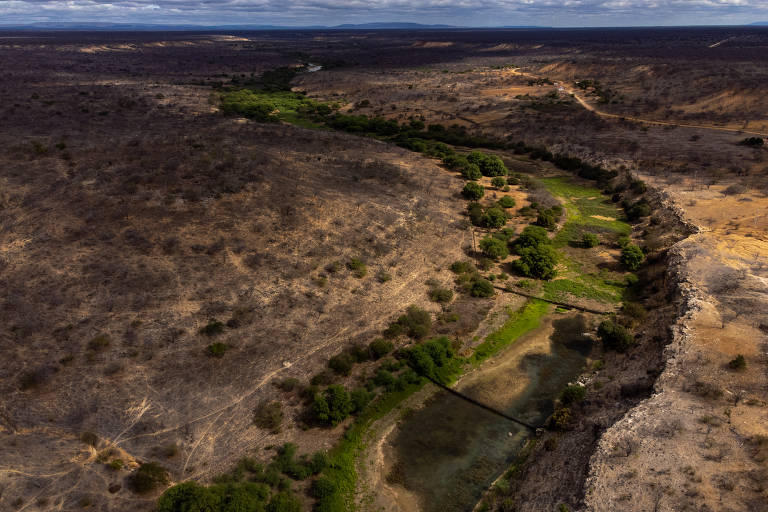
163,27
760,23
388,25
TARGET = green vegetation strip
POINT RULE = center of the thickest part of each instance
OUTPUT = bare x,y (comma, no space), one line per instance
520,322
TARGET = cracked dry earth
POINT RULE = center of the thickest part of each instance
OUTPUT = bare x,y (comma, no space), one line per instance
701,441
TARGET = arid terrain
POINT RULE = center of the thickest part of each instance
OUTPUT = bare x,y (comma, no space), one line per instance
170,270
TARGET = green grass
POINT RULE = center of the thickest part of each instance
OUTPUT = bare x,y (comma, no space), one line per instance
581,204
558,289
520,322
342,470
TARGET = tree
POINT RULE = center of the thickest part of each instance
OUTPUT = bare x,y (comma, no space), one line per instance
473,191
490,165
498,182
532,236
615,336
188,497
471,172
495,218
341,363
506,202
494,248
333,405
481,287
148,477
546,219
632,256
538,261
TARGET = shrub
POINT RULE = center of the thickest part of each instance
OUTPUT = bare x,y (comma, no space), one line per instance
561,418
498,182
98,343
494,248
116,464
538,261
476,214
632,256
341,363
217,349
324,487
416,323
441,295
188,497
149,477
532,236
33,379
471,172
589,240
89,438
383,276
546,219
752,141
573,394
473,191
269,416
289,384
360,398
333,405
634,311
434,359
506,202
284,502
481,287
495,218
358,267
359,352
615,336
637,210
738,364
213,328
461,267
380,347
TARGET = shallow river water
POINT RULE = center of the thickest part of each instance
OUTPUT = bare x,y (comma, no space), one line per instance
450,451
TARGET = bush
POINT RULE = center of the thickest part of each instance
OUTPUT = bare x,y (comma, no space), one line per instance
634,311
187,497
473,191
213,328
494,248
383,276
217,349
532,236
538,261
573,394
471,172
461,267
98,343
269,416
358,267
149,477
324,487
341,363
441,295
738,364
284,502
546,219
561,418
632,256
89,438
289,384
752,141
615,336
333,405
360,398
481,287
589,240
416,323
637,210
506,202
380,347
434,359
495,218
498,182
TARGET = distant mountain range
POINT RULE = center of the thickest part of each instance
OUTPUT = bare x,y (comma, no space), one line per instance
168,27
760,24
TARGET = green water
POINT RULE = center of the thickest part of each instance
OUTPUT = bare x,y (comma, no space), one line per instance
450,451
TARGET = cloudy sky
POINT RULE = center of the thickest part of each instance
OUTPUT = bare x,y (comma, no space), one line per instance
332,12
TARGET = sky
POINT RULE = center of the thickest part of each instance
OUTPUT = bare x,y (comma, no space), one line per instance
475,13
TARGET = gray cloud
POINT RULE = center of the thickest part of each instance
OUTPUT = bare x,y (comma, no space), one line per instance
331,12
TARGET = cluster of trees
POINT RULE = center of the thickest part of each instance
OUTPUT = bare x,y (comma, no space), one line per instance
250,486
434,359
494,216
537,256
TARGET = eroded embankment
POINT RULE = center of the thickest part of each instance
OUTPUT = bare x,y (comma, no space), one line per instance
699,443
